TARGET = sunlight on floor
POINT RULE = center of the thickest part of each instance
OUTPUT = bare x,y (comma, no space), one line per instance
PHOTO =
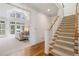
9,46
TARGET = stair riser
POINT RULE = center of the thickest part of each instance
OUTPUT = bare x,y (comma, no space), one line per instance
65,39
68,20
64,51
64,24
53,54
65,44
67,24
71,23
66,28
65,31
65,35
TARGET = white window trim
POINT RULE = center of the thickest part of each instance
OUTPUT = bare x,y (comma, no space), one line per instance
3,19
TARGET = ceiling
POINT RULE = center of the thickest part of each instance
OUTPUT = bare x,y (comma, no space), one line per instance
49,9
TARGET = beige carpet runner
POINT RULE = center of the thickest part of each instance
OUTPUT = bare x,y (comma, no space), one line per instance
63,42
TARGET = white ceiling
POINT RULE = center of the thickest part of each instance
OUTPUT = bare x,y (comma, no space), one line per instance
43,7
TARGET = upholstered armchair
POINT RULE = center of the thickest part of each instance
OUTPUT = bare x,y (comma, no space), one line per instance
23,35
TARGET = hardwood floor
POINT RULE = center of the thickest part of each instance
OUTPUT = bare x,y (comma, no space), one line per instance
34,50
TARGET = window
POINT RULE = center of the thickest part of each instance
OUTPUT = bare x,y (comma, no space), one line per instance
2,27
18,26
12,22
12,27
22,28
17,14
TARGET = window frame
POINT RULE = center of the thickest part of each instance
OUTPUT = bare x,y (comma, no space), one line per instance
2,28
12,23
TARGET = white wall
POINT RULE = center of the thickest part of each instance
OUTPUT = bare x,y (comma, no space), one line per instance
69,9
38,22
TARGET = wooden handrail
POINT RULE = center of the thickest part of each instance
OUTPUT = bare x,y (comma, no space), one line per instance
76,32
53,23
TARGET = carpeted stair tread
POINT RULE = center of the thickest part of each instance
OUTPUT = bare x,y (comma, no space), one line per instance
63,42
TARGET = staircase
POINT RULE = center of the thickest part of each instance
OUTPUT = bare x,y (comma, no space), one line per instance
63,42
